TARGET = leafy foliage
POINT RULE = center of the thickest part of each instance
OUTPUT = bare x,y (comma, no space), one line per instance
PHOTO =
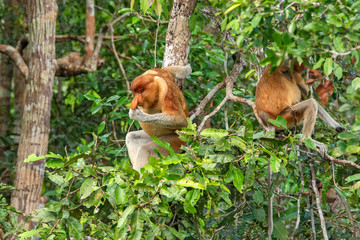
218,187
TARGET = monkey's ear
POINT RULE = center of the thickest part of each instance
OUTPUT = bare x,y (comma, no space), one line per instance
134,102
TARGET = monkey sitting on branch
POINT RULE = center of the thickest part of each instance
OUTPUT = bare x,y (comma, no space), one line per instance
282,93
160,108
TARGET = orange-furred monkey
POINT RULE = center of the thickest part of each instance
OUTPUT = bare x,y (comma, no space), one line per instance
160,108
282,93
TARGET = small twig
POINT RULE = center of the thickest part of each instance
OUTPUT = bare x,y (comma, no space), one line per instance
208,97
313,230
117,57
270,203
217,109
336,54
318,203
104,10
299,201
333,176
156,37
226,116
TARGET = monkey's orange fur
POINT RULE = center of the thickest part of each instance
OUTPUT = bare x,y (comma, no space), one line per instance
156,92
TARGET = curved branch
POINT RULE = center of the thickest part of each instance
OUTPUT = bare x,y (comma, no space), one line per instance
16,57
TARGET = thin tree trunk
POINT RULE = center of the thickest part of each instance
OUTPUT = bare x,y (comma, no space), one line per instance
35,125
5,91
178,35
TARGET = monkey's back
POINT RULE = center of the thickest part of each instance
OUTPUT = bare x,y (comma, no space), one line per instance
174,104
276,91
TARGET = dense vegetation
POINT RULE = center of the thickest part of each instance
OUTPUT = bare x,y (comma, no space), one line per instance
218,188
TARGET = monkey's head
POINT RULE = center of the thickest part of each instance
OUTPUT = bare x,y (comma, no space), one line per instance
148,90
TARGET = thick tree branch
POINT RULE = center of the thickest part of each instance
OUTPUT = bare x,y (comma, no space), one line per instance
16,57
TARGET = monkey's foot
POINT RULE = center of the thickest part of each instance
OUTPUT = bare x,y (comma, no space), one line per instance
322,148
339,129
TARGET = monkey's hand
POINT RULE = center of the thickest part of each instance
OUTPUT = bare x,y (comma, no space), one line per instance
322,147
158,119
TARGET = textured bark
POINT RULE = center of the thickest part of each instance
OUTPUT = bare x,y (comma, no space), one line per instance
5,91
178,35
36,119
19,92
90,28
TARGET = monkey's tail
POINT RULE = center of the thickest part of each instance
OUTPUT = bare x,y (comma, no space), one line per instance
179,71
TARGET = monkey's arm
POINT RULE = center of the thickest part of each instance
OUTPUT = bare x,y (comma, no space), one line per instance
303,89
159,119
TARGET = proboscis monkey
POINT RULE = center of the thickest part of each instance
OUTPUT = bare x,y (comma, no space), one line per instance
282,93
160,108
337,204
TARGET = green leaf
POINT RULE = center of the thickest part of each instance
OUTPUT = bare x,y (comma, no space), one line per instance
280,230
54,163
259,214
318,63
292,27
137,225
338,71
279,122
356,83
95,108
309,143
132,4
231,8
353,178
33,158
157,6
165,145
29,234
88,187
275,164
256,20
328,66
345,107
250,73
144,5
250,171
75,227
339,45
185,182
123,219
101,127
353,149
249,131
223,24
215,133
238,179
59,180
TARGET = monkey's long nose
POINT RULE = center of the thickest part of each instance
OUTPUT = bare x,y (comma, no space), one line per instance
134,103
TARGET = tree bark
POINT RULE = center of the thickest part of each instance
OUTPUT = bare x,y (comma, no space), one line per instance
5,91
35,125
178,35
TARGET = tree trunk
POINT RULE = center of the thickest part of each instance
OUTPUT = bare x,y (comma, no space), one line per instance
178,35
35,125
19,92
5,91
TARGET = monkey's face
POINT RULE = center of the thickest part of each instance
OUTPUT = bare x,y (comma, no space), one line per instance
145,91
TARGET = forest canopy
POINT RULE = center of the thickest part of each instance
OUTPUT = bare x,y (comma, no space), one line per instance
65,73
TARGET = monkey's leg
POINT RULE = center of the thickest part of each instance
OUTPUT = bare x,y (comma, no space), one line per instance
134,140
147,150
305,112
329,120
